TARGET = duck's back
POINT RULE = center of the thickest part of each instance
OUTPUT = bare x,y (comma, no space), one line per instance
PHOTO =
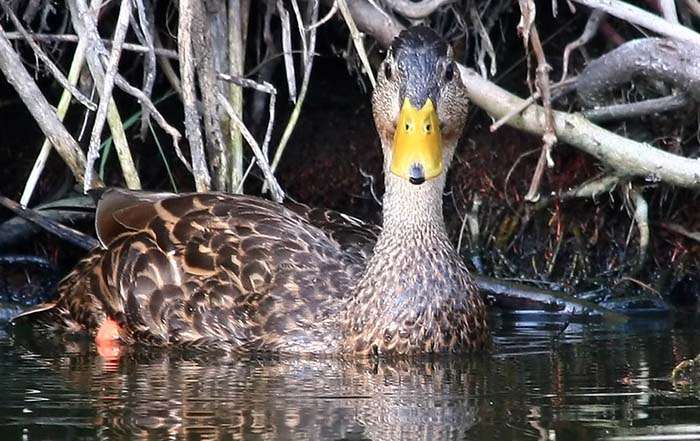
216,270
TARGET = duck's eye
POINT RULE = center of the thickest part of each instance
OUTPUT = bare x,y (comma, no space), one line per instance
449,71
388,71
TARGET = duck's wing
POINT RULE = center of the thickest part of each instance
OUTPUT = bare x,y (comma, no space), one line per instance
355,236
210,268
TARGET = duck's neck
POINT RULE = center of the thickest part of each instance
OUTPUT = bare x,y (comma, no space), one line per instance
414,288
413,210
413,240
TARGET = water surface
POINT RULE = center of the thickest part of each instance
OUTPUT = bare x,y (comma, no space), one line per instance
541,381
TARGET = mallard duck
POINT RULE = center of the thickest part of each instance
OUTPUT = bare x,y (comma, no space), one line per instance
242,273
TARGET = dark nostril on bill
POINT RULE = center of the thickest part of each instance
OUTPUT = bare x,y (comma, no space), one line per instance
416,175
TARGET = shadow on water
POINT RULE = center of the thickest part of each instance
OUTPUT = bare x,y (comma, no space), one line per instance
541,381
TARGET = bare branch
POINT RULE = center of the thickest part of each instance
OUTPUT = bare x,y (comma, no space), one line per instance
84,22
66,233
264,87
275,189
287,51
145,25
640,108
106,90
194,135
308,65
61,110
591,29
72,38
641,217
379,26
668,10
643,18
627,157
671,61
549,137
17,75
55,71
331,13
356,39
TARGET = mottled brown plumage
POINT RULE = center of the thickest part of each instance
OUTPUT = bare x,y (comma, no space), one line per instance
242,273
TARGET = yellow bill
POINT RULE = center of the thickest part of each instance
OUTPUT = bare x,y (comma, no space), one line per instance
417,154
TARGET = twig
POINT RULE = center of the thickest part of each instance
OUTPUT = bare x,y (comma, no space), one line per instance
146,26
114,120
641,217
640,108
106,96
167,67
55,71
328,16
356,39
643,18
301,28
589,189
591,29
308,64
417,10
638,283
260,87
680,229
86,26
486,46
512,169
155,113
72,38
566,84
668,10
275,189
236,49
377,24
61,110
592,188
287,50
194,135
66,233
44,115
549,137
693,7
471,219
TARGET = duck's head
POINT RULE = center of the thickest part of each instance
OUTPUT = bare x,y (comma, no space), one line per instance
420,106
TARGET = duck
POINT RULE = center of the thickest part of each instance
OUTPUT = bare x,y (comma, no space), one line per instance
241,273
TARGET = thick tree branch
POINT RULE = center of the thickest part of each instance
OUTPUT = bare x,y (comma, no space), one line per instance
661,59
371,21
626,156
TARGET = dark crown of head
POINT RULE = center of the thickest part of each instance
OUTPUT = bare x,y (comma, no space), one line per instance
419,39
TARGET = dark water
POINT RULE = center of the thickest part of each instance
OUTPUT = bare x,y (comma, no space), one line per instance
541,381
